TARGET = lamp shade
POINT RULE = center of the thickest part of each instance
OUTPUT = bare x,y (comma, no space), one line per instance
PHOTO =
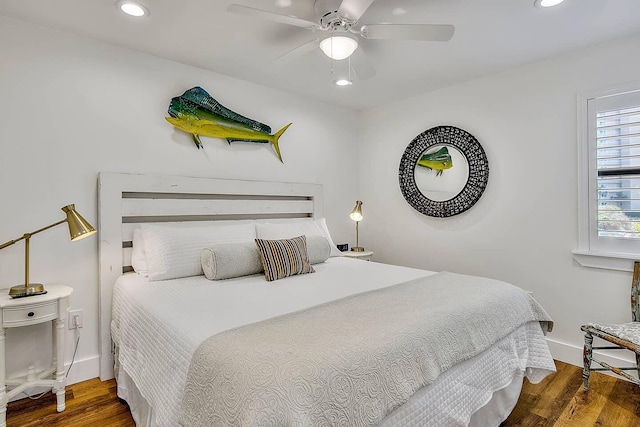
79,228
338,47
356,213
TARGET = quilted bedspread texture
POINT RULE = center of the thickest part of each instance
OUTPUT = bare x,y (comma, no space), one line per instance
351,361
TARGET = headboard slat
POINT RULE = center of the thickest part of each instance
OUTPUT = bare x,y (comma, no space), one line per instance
181,207
126,256
127,200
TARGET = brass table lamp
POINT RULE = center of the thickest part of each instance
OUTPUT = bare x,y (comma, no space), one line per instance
79,228
356,215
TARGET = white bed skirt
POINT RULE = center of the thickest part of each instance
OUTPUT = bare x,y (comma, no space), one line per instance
488,386
492,414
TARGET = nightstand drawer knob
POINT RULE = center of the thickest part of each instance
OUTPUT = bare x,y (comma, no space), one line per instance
29,313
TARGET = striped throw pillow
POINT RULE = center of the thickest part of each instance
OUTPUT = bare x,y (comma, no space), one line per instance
284,258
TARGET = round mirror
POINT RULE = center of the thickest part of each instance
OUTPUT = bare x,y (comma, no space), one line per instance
443,171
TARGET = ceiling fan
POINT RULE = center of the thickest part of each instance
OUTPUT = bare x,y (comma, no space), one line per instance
340,19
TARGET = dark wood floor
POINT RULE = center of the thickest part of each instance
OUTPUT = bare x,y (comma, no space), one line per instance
560,401
89,403
557,401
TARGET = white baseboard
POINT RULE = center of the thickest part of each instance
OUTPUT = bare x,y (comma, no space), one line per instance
83,370
572,354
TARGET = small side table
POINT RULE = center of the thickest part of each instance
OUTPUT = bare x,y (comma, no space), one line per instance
50,307
364,255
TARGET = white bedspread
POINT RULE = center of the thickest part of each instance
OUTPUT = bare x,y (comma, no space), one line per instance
157,326
352,361
454,398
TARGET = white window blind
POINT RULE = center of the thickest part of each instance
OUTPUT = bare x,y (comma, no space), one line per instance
614,178
618,166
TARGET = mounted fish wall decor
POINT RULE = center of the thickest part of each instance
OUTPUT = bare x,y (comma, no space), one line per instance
198,114
443,194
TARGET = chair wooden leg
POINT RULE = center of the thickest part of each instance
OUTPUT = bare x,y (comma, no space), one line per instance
638,364
586,356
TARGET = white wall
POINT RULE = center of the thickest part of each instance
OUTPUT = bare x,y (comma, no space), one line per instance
71,107
524,227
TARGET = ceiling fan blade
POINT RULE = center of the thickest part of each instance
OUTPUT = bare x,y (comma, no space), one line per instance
275,17
354,9
421,32
297,52
361,65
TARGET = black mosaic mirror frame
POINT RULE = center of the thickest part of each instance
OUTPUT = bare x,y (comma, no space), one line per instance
469,146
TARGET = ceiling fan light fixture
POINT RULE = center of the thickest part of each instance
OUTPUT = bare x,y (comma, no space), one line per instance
338,47
132,8
547,3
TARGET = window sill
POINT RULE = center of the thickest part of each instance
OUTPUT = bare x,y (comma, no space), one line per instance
606,260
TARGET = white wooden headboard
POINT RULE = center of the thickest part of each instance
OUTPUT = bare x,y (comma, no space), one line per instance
127,200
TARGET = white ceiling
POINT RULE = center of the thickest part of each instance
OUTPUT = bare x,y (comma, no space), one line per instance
491,36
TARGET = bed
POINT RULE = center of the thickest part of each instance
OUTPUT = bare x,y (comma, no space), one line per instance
154,333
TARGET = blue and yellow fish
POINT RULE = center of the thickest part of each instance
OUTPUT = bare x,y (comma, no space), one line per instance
198,114
438,161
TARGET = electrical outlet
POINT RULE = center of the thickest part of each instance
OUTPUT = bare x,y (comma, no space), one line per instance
73,315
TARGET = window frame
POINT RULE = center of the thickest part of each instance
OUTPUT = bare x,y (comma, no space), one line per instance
590,253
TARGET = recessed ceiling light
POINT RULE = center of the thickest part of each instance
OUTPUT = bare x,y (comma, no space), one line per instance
132,8
547,3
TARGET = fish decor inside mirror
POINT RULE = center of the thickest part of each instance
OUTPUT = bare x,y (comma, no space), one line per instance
197,113
438,161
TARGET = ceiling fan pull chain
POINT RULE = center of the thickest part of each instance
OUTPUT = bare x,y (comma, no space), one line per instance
331,57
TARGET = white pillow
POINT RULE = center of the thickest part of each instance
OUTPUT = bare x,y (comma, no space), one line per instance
289,230
334,248
175,252
138,254
227,260
318,249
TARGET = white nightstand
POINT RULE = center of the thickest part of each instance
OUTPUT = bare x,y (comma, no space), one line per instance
364,255
50,307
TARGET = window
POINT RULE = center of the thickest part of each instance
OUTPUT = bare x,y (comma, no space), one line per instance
609,178
618,172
